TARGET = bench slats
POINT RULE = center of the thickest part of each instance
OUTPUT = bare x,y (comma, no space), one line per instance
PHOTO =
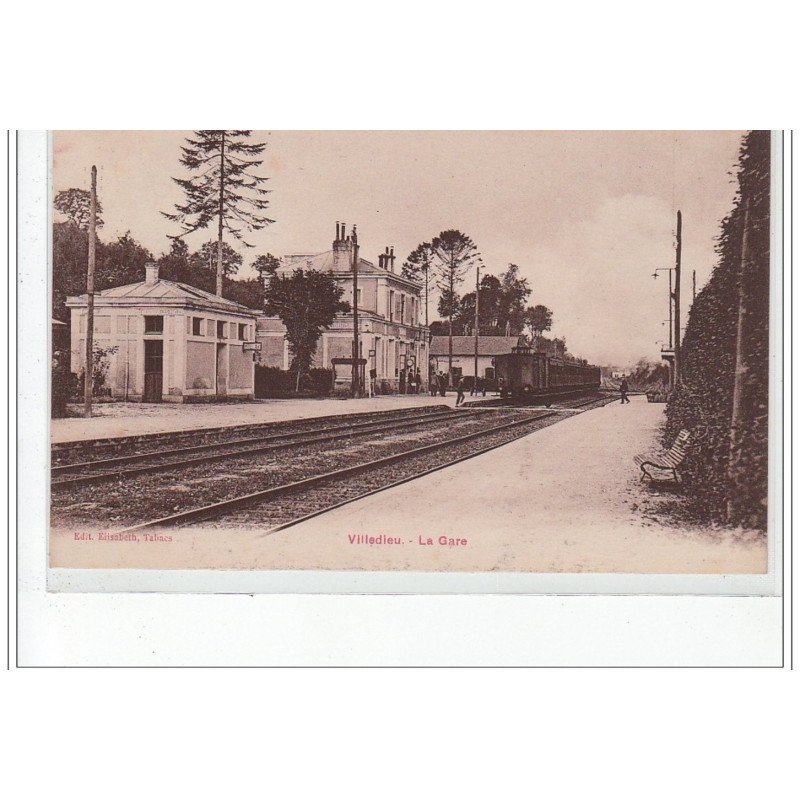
672,458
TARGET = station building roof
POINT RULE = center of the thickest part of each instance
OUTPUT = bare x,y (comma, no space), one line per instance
465,345
162,293
326,262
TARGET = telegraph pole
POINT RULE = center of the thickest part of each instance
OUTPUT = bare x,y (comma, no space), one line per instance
694,285
355,388
677,300
87,374
477,329
740,372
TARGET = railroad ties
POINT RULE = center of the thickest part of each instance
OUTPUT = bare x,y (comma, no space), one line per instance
291,472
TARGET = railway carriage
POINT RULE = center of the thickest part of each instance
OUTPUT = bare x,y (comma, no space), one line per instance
528,375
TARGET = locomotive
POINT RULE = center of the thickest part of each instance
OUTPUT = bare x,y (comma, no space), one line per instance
526,375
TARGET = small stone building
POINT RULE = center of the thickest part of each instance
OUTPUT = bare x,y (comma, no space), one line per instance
464,354
167,341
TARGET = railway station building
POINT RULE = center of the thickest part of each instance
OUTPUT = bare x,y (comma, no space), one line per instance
391,338
167,341
464,354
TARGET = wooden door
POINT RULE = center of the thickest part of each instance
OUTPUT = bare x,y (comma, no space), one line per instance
153,371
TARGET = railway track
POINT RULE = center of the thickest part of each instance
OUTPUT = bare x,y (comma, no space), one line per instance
279,507
123,467
81,451
359,458
563,405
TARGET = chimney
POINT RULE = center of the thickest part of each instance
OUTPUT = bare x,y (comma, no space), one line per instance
391,257
342,249
150,273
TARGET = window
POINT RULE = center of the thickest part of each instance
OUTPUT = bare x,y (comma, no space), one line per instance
358,297
220,330
196,326
391,305
154,324
402,308
242,331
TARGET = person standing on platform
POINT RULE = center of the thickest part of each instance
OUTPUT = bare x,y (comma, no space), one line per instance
623,392
402,381
442,384
433,384
418,382
460,391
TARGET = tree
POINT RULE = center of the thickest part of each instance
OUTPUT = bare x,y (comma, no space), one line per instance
266,266
538,319
449,305
120,262
417,267
70,253
74,205
207,259
307,303
454,253
488,308
176,264
515,292
226,188
248,292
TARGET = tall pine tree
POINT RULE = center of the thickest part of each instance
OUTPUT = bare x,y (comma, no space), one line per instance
454,254
225,188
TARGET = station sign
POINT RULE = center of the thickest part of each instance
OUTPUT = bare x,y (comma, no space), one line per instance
251,347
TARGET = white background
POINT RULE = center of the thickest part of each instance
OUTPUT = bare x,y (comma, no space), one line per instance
387,733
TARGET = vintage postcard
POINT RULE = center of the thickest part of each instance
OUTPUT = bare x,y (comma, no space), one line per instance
406,361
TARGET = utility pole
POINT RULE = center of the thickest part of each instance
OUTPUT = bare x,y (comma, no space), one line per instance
477,329
739,374
87,374
671,333
355,387
427,273
220,214
677,300
694,285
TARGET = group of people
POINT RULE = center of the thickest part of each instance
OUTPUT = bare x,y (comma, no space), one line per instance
439,382
410,381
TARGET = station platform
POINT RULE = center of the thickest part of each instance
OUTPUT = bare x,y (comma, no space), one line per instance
136,419
566,498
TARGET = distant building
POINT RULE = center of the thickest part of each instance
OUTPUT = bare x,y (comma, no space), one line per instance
169,341
464,353
391,337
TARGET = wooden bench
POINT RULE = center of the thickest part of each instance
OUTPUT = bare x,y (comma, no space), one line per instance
669,462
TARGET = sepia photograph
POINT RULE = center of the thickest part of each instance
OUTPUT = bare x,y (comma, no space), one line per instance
494,352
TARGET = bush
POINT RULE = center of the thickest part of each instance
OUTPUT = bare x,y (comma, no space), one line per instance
276,382
703,399
63,388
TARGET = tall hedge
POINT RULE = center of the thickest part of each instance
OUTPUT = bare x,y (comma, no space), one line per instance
703,399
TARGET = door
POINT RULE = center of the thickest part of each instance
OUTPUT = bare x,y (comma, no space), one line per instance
153,371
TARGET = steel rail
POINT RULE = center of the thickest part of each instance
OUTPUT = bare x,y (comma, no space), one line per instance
62,448
215,509
60,469
317,438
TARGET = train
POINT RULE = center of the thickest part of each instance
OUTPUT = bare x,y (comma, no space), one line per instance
523,375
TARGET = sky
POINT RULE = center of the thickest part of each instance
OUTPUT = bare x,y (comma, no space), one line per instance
587,216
